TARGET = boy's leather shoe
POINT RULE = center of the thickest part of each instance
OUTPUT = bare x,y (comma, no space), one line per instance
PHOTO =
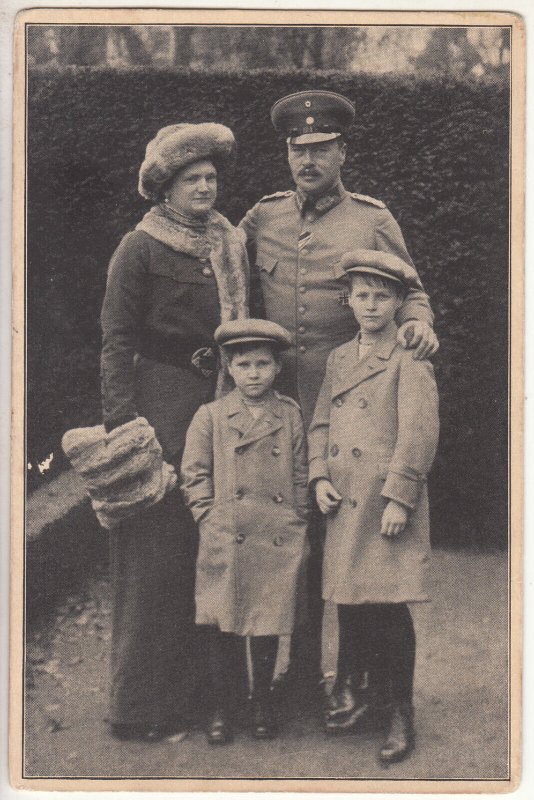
341,701
219,730
263,720
401,737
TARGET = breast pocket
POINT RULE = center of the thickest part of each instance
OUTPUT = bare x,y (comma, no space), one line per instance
173,284
266,263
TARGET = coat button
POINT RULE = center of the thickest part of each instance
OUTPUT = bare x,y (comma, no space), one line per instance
354,503
239,494
362,402
304,250
302,348
302,289
240,538
207,271
240,450
303,271
356,452
302,329
278,541
302,309
334,450
338,402
275,451
278,498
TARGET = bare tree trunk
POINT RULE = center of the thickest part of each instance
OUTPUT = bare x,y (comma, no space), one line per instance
182,45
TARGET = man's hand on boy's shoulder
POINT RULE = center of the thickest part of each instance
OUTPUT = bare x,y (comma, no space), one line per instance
419,337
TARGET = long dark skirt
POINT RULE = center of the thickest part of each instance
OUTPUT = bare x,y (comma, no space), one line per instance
157,657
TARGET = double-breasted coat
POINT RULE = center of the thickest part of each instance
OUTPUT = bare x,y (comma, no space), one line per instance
294,253
374,436
245,480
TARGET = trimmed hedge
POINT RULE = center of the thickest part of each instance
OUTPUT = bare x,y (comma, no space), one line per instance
435,151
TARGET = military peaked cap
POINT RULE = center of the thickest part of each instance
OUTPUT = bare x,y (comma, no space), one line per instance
312,116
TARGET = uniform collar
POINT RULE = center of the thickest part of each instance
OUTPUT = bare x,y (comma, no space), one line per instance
320,204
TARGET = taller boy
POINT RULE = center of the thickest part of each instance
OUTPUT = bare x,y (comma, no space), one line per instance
295,238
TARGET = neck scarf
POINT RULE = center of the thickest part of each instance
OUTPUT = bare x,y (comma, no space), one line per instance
210,237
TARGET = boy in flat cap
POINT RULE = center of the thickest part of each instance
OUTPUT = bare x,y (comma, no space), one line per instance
244,476
372,442
294,238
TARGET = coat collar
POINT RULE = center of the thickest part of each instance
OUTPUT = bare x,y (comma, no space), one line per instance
351,371
248,427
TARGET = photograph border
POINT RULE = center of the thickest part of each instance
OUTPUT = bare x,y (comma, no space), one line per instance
515,381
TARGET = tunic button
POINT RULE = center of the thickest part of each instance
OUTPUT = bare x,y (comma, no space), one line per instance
278,498
303,271
302,329
302,289
239,494
275,451
354,503
302,348
207,271
302,309
278,542
356,452
339,402
240,538
362,402
334,450
239,450
304,250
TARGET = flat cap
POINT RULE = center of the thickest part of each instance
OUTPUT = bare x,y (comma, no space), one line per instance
378,262
176,146
242,331
312,116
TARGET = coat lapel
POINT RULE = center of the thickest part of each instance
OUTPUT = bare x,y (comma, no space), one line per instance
249,428
351,371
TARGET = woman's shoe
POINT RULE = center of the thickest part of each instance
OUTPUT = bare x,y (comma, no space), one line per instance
401,737
264,724
136,732
219,730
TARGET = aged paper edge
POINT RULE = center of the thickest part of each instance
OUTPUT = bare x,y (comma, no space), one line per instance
516,392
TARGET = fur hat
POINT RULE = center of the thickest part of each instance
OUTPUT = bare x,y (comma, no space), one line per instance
123,471
176,146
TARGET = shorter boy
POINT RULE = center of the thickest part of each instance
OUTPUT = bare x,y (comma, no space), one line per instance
372,442
245,478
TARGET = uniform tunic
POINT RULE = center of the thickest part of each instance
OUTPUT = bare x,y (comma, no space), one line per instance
374,436
245,479
160,305
295,254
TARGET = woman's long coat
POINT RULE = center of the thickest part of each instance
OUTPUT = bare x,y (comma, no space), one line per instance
245,480
374,435
160,306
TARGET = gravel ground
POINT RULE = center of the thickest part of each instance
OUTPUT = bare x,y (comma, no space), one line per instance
461,697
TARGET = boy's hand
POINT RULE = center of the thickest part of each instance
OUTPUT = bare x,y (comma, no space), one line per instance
419,337
394,519
328,499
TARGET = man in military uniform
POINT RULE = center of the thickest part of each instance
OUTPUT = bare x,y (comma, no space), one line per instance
295,239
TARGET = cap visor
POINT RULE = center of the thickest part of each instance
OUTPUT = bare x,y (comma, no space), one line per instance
313,138
256,340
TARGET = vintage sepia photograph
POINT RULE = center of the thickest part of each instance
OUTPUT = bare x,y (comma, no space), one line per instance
267,392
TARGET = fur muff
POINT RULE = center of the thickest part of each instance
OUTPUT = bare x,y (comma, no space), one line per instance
123,471
176,146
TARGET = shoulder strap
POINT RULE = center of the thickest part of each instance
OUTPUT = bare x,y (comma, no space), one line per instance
364,198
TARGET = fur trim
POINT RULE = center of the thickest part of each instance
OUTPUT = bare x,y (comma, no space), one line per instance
123,471
176,146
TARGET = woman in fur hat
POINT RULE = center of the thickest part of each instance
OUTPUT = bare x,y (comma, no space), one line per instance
171,282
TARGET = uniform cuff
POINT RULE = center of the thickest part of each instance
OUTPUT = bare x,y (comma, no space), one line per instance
317,469
402,488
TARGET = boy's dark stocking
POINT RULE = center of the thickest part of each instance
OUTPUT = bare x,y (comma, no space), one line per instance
263,651
221,653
